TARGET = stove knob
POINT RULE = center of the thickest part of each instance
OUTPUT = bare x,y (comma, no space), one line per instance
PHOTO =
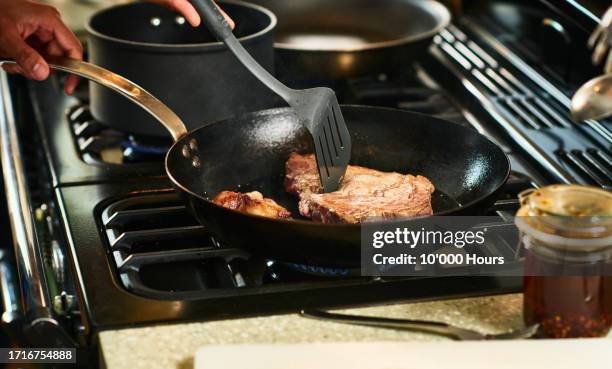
64,303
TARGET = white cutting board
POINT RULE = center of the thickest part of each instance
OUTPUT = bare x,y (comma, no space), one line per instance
523,354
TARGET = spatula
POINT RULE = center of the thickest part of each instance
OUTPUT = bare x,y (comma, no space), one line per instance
317,108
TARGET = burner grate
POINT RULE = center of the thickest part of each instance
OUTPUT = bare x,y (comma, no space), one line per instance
156,245
529,111
401,94
532,108
593,165
154,235
97,143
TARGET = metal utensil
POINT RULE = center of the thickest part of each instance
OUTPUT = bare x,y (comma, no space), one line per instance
317,108
601,40
593,100
442,329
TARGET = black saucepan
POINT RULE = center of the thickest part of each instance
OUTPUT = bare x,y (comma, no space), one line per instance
185,67
249,153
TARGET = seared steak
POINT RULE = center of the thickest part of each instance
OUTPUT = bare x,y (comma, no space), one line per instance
251,203
363,193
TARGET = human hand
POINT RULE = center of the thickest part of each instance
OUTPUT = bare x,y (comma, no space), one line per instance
29,30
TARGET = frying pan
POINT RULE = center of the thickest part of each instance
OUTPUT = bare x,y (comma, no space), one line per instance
249,153
338,39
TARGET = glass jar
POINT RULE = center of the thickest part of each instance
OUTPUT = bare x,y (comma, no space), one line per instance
567,233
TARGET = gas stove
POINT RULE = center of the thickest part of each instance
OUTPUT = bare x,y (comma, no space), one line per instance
102,241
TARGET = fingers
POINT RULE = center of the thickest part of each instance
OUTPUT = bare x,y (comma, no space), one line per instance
30,29
71,81
39,38
68,42
54,49
30,62
12,68
65,43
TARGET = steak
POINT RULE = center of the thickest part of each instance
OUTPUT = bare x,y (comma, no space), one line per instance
363,193
251,203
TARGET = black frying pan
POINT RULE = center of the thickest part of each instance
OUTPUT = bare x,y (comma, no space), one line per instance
248,153
338,39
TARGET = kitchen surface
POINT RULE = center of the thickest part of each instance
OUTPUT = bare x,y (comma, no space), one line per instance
174,346
110,256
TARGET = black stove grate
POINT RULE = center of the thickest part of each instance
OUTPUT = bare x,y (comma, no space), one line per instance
98,143
579,151
153,235
407,93
160,251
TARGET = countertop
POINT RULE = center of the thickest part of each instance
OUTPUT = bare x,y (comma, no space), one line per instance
174,346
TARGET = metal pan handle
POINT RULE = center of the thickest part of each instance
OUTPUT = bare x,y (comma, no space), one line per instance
132,91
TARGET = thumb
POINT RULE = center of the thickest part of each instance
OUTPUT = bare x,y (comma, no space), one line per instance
30,61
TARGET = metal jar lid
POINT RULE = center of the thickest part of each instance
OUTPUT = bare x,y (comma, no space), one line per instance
568,217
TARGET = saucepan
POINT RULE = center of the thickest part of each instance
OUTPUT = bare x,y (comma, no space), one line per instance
186,67
248,153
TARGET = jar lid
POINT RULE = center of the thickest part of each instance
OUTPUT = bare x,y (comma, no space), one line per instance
567,216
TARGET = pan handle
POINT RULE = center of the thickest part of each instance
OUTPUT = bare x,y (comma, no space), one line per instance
132,91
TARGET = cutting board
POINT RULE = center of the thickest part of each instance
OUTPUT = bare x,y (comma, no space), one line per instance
523,354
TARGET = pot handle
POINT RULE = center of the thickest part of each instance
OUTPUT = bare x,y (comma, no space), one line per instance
132,91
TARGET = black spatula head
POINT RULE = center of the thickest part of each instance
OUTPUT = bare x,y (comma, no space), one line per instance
319,110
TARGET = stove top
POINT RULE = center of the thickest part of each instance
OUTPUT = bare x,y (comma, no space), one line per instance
112,244
159,264
159,257
140,249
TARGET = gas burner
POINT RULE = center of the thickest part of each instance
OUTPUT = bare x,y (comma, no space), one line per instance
99,143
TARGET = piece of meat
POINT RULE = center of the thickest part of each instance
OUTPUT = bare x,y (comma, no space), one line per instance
251,203
363,193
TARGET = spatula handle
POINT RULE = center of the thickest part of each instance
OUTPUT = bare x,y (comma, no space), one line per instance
216,23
